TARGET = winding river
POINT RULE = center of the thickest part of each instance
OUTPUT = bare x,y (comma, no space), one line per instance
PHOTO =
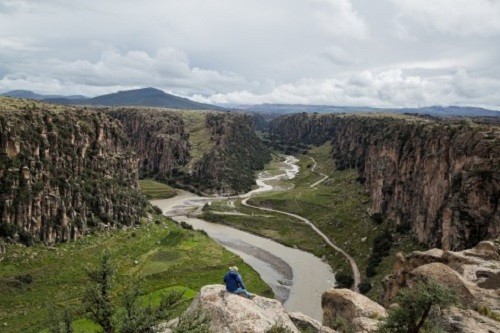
297,278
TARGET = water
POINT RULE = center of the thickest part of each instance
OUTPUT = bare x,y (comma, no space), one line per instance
297,278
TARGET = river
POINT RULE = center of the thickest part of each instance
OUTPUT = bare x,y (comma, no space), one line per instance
297,278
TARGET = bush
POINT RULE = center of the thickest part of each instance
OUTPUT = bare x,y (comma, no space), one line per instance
278,328
157,210
344,280
185,225
365,286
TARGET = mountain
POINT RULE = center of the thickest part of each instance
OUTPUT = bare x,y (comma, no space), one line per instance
430,110
31,95
139,97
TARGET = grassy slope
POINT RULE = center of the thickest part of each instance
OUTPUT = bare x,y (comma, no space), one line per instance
156,190
167,256
338,207
199,138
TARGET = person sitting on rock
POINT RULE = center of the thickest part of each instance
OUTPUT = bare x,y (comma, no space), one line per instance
234,283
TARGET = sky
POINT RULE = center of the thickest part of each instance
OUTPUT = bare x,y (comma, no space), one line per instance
383,53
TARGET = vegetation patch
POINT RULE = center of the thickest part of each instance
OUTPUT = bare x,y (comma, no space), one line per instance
57,273
156,190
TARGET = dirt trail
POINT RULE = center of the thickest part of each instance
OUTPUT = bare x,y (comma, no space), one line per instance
354,267
313,169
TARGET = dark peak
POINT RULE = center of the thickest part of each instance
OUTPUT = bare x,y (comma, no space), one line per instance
143,90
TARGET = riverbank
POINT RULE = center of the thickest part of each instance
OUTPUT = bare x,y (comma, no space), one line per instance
301,288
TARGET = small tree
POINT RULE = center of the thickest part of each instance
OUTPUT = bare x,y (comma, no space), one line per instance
59,322
97,298
140,319
415,305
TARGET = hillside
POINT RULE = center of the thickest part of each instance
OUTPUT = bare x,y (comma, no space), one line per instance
438,179
63,172
149,97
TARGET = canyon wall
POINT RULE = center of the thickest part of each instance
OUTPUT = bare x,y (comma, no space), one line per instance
158,136
212,152
63,171
438,178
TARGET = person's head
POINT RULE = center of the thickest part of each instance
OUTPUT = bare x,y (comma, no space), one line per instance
233,269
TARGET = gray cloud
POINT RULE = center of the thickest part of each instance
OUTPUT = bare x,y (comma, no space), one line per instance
343,52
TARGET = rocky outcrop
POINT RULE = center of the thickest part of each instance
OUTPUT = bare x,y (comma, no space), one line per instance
229,313
361,312
63,171
438,178
473,274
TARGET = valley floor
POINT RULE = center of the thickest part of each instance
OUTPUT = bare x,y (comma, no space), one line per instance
337,206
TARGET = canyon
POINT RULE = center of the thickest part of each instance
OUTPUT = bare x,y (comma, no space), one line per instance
438,178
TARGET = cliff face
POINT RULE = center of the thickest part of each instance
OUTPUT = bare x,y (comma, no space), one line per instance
159,137
441,179
208,151
63,171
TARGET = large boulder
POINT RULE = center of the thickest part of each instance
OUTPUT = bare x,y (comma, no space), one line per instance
443,275
363,313
473,273
230,313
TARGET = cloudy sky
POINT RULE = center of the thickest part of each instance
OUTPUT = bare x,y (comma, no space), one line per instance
384,53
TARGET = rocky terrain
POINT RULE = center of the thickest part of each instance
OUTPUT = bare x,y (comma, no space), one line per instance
473,274
215,152
438,178
63,171
224,312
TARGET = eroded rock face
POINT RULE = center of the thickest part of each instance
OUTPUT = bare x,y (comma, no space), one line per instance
363,313
158,136
64,171
440,179
472,273
230,313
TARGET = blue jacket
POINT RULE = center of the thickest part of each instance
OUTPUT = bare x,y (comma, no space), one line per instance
233,281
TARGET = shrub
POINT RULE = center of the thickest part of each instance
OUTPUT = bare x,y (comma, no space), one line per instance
185,225
344,280
365,286
415,306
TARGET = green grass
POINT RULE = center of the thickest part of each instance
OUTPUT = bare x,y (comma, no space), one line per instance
338,207
156,190
199,137
167,257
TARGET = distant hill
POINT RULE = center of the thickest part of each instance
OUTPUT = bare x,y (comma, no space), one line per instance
139,97
31,95
430,110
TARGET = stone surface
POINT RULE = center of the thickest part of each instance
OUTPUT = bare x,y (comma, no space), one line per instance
308,324
468,321
445,276
359,310
230,313
473,273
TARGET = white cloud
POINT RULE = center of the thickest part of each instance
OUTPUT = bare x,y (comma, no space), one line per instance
339,18
391,88
286,51
168,68
455,17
